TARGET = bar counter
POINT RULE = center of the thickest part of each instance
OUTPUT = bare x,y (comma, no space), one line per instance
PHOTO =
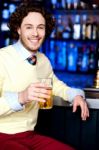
92,103
64,125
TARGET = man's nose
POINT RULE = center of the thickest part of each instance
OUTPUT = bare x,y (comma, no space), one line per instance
35,32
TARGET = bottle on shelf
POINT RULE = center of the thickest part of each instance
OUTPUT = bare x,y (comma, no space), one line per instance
5,16
83,26
79,59
77,28
51,53
59,27
76,4
95,29
64,4
88,30
59,5
95,6
70,4
53,2
92,57
85,59
12,7
72,57
82,5
68,28
61,53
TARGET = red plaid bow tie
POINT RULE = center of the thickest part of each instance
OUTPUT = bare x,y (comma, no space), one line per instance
32,60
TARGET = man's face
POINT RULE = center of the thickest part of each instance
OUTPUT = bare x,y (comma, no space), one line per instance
32,31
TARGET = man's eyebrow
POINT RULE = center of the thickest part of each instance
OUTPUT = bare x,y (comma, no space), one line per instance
41,24
27,24
32,25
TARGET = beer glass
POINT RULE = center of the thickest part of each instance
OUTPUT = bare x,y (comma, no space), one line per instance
48,104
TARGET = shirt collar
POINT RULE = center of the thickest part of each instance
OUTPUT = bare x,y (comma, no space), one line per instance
21,50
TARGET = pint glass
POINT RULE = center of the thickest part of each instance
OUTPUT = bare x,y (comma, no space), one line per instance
48,104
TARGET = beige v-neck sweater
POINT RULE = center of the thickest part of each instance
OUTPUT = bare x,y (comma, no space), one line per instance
17,75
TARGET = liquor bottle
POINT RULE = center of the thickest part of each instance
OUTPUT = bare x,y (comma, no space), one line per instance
83,5
51,54
92,57
5,16
61,55
12,7
59,27
77,28
5,39
85,59
94,30
72,57
76,4
53,2
66,5
59,4
83,26
69,4
79,59
88,30
68,29
95,6
63,4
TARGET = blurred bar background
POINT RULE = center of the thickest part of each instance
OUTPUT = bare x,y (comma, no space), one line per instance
73,46
73,49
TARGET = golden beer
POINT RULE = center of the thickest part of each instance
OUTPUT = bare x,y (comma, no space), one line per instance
48,104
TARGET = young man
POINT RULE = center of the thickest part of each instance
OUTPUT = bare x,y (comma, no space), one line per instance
30,25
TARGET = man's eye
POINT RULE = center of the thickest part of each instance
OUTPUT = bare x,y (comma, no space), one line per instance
41,27
28,27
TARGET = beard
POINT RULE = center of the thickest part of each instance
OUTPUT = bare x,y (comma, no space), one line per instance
31,49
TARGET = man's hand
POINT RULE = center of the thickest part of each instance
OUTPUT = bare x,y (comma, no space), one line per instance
36,92
79,101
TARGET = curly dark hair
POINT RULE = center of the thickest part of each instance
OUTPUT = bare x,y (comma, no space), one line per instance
22,11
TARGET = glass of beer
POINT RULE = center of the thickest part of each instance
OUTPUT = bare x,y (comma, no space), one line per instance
48,104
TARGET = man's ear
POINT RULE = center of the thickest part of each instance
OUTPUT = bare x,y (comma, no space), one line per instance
18,30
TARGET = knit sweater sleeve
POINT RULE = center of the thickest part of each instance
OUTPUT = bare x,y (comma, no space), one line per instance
4,106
